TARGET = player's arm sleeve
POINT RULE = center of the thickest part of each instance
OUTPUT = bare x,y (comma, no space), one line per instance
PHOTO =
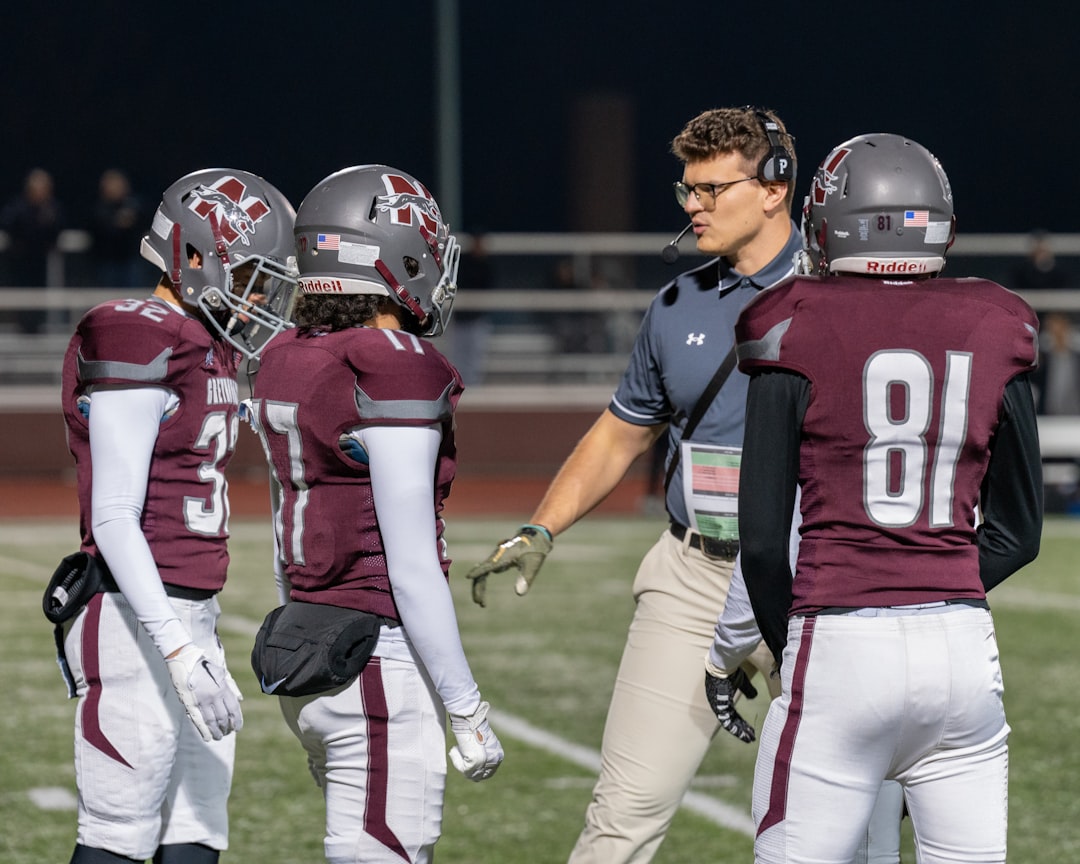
1011,500
402,464
123,428
775,405
736,633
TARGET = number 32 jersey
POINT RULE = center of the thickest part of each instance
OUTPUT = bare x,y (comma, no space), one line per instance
148,343
906,392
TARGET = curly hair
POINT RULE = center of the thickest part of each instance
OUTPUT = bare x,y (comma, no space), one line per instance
331,312
720,131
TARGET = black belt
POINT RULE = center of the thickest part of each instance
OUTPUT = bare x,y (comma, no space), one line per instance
711,547
181,592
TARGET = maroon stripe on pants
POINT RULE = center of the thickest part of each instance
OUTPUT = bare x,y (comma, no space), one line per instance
782,761
91,707
378,767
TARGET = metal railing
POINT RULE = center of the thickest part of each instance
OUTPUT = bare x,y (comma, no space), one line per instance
536,336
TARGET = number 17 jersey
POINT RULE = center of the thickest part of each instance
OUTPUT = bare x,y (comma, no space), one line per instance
906,392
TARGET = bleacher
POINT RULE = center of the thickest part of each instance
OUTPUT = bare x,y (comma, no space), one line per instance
527,365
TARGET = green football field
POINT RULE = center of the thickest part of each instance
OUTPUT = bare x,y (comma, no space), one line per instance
546,663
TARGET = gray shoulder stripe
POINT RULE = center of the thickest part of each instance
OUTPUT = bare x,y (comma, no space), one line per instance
1034,334
767,347
96,370
405,409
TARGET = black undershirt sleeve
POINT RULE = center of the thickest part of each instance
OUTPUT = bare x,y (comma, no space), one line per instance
1011,498
775,406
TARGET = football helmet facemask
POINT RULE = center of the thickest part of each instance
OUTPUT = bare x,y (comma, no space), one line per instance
880,205
240,226
373,229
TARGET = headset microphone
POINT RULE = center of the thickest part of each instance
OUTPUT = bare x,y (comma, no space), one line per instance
670,253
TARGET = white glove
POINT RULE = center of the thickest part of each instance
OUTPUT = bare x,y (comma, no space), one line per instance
210,696
478,752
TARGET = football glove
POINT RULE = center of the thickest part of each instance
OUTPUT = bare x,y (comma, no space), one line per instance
208,692
721,690
526,551
478,752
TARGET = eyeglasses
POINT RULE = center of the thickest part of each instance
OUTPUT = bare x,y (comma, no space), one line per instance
706,193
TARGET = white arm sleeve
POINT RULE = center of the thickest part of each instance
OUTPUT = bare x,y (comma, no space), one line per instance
123,428
737,635
402,463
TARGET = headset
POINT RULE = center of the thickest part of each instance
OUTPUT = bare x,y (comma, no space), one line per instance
777,165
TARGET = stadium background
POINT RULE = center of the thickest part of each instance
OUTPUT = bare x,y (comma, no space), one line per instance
550,98
564,111
526,118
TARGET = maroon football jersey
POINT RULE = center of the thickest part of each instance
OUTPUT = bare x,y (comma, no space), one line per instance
310,391
906,383
149,343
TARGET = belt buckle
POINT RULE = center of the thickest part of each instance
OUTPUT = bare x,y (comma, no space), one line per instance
719,550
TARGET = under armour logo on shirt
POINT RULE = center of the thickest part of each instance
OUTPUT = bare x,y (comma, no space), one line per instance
695,338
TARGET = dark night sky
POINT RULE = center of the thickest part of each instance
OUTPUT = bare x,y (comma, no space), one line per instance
295,91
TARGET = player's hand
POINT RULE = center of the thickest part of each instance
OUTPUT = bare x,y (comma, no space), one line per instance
721,689
209,693
478,752
526,551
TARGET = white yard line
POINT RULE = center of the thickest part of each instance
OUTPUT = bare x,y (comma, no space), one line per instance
514,727
511,726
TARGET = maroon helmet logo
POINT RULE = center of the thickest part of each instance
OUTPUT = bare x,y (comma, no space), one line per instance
825,179
405,199
237,212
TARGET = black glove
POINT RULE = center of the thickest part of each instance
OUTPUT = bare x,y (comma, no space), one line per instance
721,689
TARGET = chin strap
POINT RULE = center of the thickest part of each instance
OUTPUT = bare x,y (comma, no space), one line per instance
433,245
176,274
403,295
222,251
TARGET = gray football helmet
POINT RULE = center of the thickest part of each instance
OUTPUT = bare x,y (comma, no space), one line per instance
373,229
880,205
230,218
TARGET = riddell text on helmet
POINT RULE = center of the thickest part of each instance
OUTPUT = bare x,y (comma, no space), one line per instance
321,286
896,267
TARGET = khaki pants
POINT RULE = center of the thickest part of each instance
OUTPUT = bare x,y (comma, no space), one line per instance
659,724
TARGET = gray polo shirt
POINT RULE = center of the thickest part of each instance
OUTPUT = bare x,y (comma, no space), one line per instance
687,331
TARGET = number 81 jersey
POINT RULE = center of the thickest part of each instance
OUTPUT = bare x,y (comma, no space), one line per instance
148,343
906,391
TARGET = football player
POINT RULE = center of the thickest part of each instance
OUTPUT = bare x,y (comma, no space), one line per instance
150,403
355,410
898,402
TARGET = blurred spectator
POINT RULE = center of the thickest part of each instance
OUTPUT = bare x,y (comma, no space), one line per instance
1040,269
119,218
32,220
1057,380
471,329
